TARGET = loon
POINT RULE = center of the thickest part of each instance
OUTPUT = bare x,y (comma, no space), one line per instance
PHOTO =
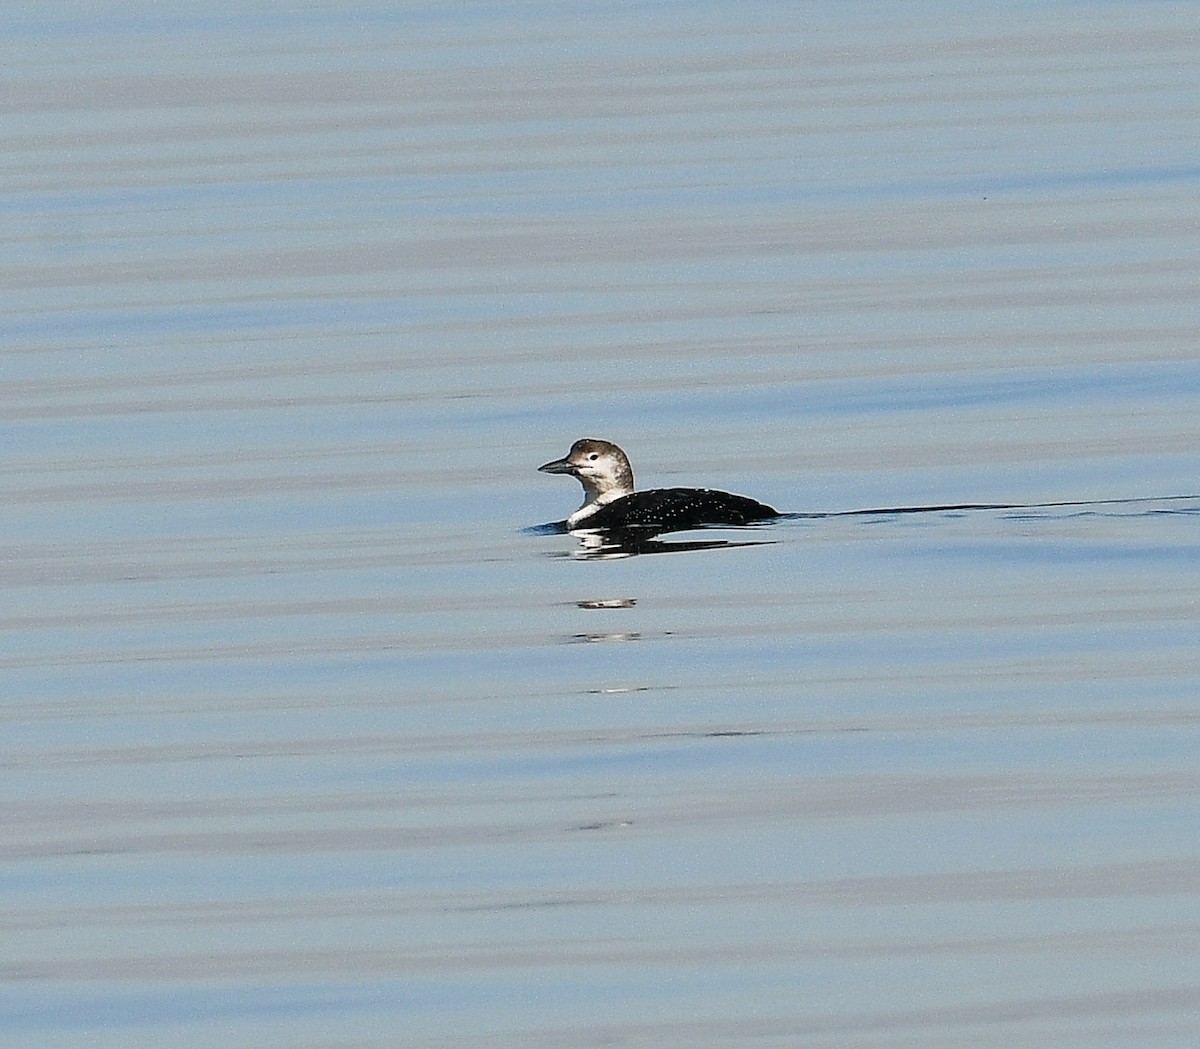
611,503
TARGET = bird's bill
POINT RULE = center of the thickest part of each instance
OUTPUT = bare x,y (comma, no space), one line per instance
558,466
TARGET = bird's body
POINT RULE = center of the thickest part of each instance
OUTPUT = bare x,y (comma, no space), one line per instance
611,503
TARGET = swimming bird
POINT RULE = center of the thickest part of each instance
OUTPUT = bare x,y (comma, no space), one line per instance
610,501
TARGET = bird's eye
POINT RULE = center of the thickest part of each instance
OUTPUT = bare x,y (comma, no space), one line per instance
594,456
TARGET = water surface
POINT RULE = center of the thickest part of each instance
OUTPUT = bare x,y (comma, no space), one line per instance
308,743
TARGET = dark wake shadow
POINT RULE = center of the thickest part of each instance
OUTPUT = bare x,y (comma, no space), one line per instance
553,528
884,511
1062,504
631,542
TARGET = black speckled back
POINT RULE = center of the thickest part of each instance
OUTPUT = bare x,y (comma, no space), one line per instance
676,509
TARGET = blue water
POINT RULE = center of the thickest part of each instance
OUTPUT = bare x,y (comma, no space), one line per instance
309,740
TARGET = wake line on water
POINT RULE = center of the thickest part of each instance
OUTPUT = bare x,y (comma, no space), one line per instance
952,507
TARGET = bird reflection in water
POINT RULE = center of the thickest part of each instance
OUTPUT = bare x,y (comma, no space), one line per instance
596,544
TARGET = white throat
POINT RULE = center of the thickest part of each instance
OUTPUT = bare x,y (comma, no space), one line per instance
593,501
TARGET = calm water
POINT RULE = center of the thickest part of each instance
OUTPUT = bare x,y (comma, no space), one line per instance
306,743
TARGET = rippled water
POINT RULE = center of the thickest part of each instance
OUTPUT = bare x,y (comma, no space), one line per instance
309,741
